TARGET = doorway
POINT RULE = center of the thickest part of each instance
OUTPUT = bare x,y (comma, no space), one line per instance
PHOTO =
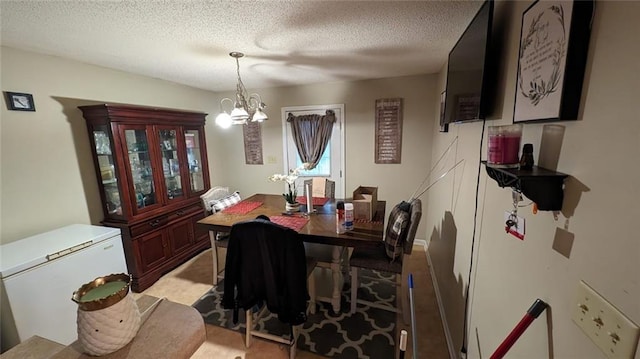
331,165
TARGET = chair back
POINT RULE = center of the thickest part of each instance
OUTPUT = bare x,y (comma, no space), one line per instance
267,261
215,193
414,221
329,188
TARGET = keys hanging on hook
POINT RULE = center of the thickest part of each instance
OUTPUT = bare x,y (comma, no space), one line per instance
514,225
509,224
512,221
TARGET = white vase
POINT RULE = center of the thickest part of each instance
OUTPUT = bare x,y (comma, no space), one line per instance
104,331
292,207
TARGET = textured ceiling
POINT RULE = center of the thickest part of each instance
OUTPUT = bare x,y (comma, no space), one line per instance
286,43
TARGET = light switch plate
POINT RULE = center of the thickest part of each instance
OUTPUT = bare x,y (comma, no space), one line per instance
614,333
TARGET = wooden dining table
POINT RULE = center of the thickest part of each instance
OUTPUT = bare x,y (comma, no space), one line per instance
320,227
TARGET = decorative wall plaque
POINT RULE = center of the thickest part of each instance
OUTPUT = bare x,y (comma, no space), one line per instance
252,134
554,43
388,130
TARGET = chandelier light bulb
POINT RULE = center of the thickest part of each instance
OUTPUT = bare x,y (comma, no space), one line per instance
223,120
259,116
245,107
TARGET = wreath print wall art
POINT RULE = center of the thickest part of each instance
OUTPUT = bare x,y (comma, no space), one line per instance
553,51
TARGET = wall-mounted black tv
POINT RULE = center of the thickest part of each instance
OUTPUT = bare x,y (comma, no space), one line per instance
469,70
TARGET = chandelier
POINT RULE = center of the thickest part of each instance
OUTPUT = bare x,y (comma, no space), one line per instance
245,107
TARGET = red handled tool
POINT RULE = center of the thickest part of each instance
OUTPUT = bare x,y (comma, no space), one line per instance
538,307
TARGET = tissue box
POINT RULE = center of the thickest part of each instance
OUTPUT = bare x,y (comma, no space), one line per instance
365,202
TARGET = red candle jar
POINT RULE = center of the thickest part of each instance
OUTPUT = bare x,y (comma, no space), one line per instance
504,146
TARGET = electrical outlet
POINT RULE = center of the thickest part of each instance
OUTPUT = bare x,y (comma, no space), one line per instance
614,333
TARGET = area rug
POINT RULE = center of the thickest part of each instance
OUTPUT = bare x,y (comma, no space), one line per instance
368,333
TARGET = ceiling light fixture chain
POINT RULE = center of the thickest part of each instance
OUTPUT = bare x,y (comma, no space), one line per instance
241,91
246,107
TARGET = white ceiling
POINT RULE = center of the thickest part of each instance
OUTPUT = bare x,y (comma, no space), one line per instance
286,43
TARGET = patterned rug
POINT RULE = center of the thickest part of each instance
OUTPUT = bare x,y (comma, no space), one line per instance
369,333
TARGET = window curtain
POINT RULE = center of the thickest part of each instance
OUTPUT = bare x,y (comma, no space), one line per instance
311,134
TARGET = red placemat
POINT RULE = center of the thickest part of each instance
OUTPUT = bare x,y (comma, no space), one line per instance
243,207
317,201
294,222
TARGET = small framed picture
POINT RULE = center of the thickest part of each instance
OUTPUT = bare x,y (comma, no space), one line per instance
20,101
444,127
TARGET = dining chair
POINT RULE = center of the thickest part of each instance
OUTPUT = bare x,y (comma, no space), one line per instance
218,239
267,265
329,186
322,252
378,259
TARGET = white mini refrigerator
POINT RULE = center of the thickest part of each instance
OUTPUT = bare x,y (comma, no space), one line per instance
40,273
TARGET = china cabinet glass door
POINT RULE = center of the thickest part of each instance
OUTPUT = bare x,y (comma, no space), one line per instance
192,143
141,167
108,174
171,163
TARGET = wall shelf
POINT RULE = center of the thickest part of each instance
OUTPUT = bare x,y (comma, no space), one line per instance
542,186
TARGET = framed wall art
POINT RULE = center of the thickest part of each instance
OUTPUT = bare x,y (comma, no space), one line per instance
17,101
444,127
388,136
554,42
252,134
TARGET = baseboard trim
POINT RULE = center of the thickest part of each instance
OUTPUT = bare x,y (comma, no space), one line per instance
447,332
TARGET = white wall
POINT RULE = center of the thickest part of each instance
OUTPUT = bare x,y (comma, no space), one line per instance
47,175
600,152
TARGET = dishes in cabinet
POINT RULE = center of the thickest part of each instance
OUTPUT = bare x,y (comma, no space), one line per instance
113,200
134,147
102,143
190,140
107,173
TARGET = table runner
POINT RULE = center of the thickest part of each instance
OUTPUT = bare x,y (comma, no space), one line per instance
365,221
294,222
243,207
317,201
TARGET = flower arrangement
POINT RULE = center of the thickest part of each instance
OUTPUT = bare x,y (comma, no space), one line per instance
292,192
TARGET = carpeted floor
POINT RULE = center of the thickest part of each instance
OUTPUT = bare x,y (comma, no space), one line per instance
368,333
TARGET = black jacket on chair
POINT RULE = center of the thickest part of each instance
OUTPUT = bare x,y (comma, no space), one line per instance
266,262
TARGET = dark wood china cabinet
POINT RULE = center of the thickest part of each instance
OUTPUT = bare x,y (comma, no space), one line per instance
151,166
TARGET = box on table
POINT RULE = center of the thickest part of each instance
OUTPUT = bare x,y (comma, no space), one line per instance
365,202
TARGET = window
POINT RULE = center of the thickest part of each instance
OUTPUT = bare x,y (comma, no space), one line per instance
322,169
